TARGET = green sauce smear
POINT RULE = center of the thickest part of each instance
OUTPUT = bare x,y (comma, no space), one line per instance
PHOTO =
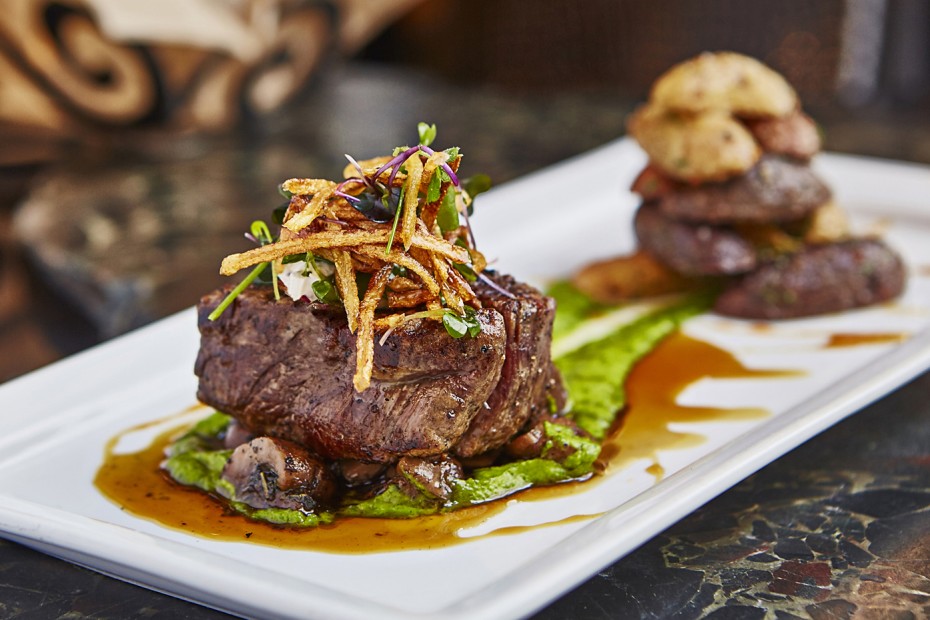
594,375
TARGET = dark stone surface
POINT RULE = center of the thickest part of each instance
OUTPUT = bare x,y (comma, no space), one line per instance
838,528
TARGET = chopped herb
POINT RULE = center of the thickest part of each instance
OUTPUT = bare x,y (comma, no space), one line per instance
400,201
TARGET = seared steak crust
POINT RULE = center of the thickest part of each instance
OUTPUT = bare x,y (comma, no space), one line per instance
774,190
285,368
817,280
528,376
692,249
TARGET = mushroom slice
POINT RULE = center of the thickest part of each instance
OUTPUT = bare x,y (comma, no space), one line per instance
275,473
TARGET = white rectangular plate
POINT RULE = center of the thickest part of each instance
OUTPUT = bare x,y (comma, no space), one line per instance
56,421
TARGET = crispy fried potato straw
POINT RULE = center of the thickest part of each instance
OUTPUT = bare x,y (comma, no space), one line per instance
311,211
335,239
406,261
324,223
411,200
348,288
306,187
365,342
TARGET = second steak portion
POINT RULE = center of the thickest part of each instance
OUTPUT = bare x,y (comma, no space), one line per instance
817,280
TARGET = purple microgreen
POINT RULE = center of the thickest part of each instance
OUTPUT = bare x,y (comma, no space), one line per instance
495,286
348,197
471,235
246,281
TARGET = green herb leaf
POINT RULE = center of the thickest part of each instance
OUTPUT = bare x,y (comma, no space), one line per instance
400,201
459,326
260,231
284,193
435,186
427,133
467,272
454,324
448,216
277,216
471,317
476,184
378,208
326,292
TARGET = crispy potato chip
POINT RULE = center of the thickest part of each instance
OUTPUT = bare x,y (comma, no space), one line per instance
724,82
235,262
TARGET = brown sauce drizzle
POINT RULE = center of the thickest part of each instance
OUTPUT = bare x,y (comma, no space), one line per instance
851,340
135,482
652,389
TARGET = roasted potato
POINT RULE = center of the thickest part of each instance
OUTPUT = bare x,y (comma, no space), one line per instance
629,277
694,148
724,82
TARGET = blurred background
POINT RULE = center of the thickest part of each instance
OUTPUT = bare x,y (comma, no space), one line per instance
139,139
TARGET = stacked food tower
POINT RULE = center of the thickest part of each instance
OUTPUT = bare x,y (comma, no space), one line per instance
729,196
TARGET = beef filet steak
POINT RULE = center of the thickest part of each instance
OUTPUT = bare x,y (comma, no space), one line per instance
528,377
284,369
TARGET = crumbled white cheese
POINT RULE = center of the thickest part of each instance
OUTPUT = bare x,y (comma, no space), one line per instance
298,280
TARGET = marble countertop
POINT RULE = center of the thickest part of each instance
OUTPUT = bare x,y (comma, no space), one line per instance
838,528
